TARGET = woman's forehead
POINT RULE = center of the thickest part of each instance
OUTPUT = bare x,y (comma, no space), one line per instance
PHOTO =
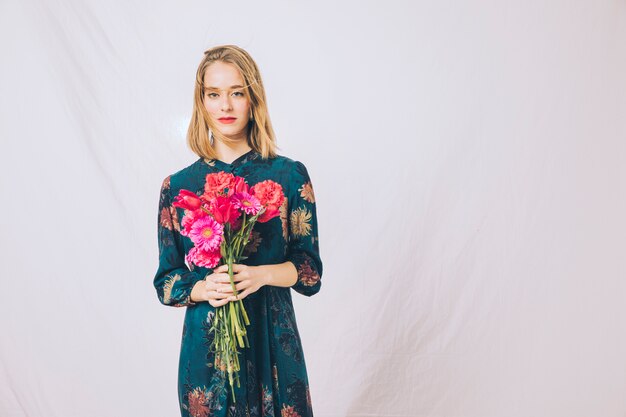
222,75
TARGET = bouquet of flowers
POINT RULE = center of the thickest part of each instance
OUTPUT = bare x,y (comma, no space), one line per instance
219,222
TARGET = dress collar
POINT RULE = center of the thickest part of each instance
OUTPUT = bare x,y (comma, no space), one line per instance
242,159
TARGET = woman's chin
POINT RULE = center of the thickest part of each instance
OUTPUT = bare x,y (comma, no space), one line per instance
233,134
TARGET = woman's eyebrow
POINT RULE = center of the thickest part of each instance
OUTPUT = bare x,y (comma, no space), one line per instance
231,87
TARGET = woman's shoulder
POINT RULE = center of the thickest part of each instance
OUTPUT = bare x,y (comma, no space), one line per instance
293,173
289,163
180,178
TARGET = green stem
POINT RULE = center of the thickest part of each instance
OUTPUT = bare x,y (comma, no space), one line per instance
230,274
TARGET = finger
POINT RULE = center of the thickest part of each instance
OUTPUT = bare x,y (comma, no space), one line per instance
242,285
239,276
239,267
223,292
211,285
229,289
221,281
239,296
225,289
224,268
220,277
219,303
218,295
225,279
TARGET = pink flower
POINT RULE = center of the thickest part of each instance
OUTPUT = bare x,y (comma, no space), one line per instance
223,210
246,202
190,217
187,200
203,258
206,234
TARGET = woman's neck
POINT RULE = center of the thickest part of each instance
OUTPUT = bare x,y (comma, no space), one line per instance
228,152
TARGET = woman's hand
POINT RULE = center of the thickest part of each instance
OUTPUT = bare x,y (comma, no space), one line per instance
216,288
248,279
207,289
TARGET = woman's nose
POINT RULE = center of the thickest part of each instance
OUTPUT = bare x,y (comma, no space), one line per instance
226,103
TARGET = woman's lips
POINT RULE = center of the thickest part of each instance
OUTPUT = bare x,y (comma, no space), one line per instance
227,120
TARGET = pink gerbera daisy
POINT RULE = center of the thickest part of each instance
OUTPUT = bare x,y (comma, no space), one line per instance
190,218
206,234
247,202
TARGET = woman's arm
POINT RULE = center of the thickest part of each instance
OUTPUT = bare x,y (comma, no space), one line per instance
249,279
281,275
303,247
173,280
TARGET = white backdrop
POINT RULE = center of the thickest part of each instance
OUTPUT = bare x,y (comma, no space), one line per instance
469,164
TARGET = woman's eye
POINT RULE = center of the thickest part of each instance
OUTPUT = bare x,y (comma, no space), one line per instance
211,94
238,92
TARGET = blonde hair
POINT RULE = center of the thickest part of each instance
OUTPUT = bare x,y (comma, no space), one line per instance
261,136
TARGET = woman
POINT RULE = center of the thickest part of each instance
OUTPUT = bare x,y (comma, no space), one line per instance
230,131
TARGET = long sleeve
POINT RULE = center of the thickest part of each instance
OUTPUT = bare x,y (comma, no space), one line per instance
173,280
303,245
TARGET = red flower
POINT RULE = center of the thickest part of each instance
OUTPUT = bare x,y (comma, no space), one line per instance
271,195
269,213
236,224
216,183
240,186
223,210
187,200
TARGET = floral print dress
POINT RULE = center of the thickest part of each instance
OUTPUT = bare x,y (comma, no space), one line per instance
273,376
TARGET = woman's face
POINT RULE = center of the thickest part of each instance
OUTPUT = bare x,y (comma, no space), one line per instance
225,100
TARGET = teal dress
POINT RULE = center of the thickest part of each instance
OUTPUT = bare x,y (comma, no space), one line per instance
273,375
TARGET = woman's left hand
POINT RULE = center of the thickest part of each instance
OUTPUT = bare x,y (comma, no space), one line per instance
248,279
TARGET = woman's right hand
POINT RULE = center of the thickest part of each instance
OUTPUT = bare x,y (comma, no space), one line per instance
207,289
